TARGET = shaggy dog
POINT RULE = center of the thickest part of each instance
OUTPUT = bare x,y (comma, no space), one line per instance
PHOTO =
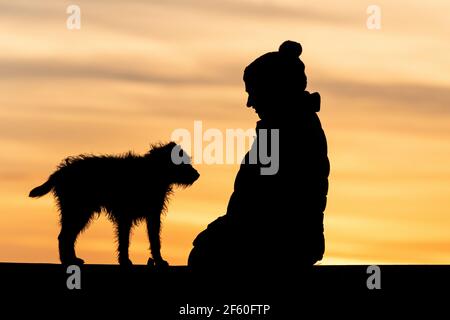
129,188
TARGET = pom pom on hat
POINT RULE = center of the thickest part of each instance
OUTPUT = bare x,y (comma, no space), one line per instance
290,49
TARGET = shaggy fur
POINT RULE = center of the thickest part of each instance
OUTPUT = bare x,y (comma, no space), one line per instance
129,188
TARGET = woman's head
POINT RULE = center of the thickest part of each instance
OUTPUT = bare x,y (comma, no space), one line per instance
275,78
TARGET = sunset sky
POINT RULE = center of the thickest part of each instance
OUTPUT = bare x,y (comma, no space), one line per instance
139,69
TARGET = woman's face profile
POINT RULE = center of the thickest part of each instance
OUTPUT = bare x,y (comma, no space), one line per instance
262,100
255,101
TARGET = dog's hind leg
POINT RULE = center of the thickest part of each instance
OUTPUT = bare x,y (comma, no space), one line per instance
72,223
123,227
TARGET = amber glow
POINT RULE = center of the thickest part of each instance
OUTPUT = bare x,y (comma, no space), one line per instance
137,70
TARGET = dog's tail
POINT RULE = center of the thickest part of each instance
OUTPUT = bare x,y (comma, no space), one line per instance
43,189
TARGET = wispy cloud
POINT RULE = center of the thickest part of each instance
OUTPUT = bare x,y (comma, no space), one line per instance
20,69
421,98
272,10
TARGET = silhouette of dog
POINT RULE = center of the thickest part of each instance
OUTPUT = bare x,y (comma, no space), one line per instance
129,188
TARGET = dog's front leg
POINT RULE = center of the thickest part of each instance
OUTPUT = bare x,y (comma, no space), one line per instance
153,230
123,236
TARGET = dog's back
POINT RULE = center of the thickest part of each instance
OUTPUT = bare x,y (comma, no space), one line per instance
106,181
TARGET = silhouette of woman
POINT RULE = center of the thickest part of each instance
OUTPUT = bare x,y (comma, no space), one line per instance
274,221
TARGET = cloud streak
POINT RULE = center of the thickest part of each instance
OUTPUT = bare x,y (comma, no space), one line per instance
407,96
61,70
420,98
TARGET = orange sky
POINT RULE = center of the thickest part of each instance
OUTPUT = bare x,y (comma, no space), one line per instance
137,70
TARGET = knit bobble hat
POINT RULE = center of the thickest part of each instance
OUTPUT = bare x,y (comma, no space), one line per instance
282,68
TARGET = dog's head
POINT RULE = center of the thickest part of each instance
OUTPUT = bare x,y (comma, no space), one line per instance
176,162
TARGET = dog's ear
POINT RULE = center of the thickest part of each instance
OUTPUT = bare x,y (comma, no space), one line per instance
162,147
169,148
179,155
171,145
